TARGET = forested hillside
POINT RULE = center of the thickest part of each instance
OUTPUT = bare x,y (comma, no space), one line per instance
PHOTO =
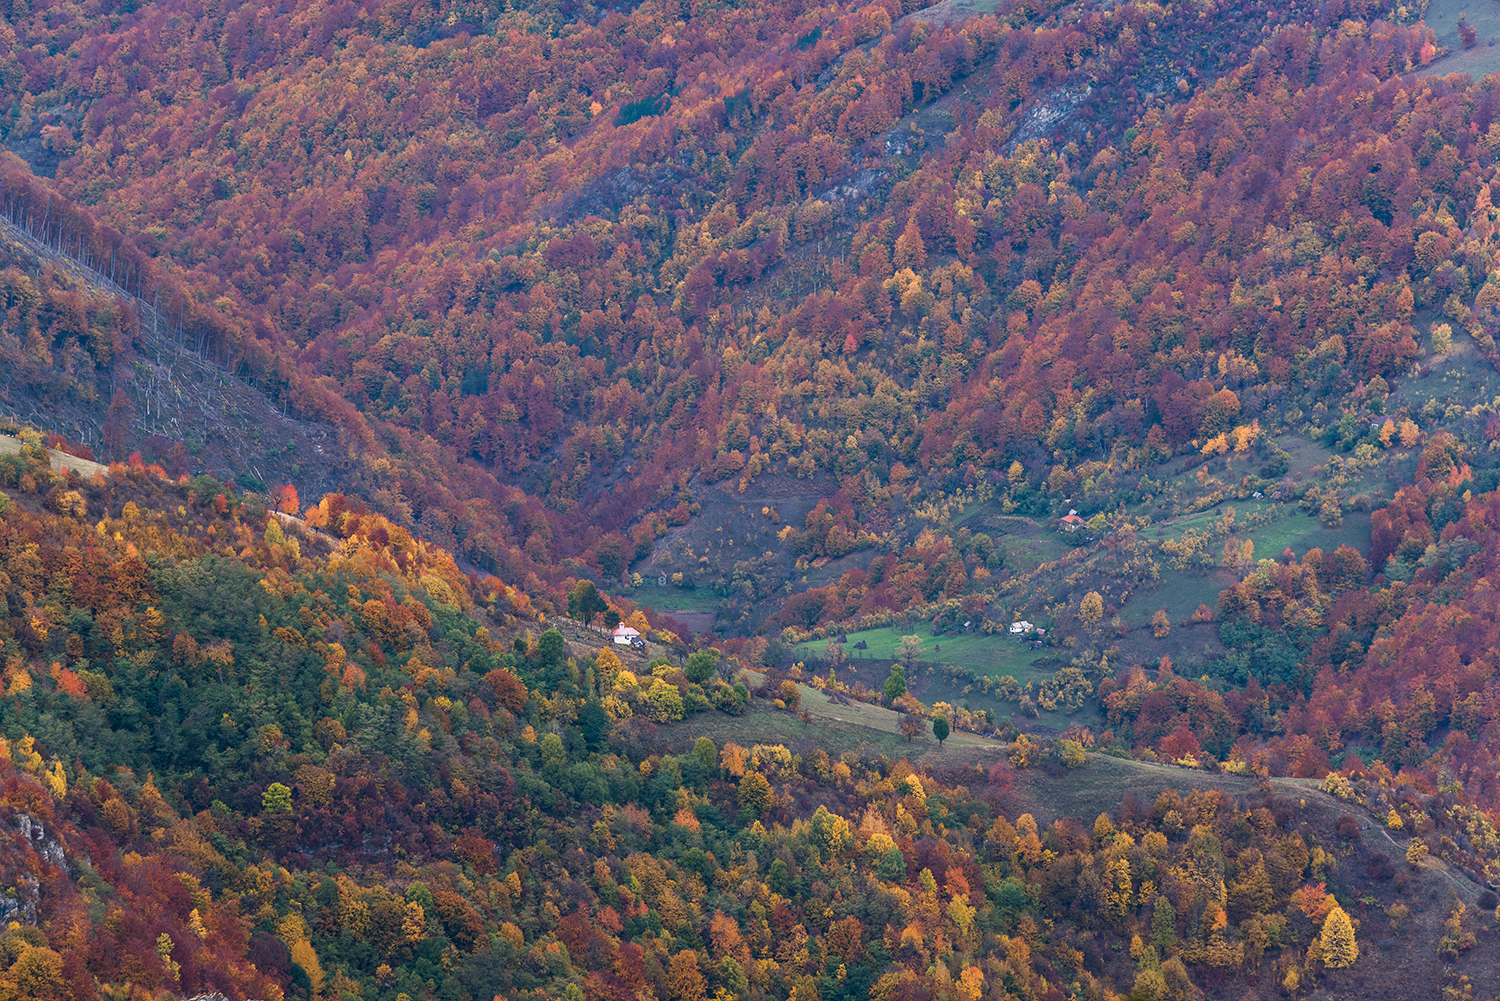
280,759
1111,387
563,273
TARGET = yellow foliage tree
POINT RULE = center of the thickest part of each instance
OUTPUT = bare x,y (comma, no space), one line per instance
1339,948
1073,754
196,925
1245,436
36,973
292,929
608,664
164,953
1442,338
414,922
1118,883
1091,609
755,793
306,957
971,984
961,914
1023,752
684,980
910,249
1160,624
55,780
734,759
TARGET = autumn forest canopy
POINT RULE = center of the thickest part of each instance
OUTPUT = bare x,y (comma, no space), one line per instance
1049,453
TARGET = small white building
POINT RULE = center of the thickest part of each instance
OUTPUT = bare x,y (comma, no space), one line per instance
626,636
1021,628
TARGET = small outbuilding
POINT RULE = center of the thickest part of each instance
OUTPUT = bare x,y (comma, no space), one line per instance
626,636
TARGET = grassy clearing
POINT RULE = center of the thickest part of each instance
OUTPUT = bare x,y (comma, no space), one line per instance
1285,531
988,517
1047,793
1179,592
954,11
60,460
876,718
1022,555
1305,454
1179,527
984,655
676,599
1443,17
1355,531
1100,784
1203,521
1024,543
761,724
835,729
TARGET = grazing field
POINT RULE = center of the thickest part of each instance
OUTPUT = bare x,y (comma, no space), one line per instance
991,656
677,599
1443,17
1180,592
1103,782
835,729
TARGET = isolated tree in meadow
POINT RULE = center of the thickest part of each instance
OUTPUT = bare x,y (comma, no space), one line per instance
911,649
940,729
913,725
